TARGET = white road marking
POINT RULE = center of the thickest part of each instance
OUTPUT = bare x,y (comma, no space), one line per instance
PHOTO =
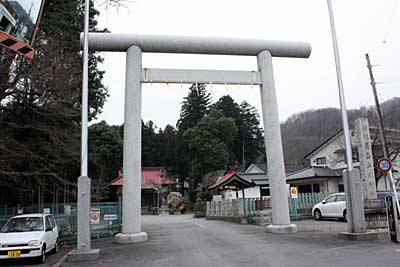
202,226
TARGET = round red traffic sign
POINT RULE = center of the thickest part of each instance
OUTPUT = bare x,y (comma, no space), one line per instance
384,165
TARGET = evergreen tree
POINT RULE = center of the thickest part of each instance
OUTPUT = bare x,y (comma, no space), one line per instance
105,157
194,107
40,107
251,143
208,146
248,144
150,145
168,148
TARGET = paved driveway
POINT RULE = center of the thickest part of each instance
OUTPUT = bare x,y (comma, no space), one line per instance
51,260
184,241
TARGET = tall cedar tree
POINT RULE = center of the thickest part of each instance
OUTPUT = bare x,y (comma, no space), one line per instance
40,108
105,158
194,107
249,138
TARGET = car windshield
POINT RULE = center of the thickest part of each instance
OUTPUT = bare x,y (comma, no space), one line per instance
23,224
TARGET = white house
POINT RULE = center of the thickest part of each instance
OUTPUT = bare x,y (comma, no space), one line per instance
327,162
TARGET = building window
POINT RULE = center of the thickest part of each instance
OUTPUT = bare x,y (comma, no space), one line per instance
341,188
265,192
305,188
316,188
321,161
356,157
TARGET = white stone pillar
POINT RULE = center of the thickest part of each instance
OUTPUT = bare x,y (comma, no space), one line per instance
131,193
273,147
83,214
363,141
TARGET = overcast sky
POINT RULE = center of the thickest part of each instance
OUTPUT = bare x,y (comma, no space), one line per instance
371,26
32,7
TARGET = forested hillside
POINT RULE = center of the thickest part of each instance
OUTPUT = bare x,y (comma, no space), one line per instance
304,131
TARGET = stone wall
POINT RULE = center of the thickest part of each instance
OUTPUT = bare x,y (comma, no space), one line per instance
375,214
240,211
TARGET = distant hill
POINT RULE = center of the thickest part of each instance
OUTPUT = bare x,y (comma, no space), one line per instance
304,131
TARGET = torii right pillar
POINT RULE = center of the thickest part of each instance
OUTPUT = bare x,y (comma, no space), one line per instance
273,146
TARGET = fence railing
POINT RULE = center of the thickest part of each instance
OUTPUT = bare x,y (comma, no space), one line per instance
301,207
252,210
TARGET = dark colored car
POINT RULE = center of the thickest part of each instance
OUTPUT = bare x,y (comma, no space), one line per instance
384,194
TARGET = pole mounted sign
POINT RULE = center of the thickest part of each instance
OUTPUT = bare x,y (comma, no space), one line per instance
293,192
384,165
19,20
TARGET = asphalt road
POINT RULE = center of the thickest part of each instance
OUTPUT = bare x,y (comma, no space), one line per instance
51,260
184,241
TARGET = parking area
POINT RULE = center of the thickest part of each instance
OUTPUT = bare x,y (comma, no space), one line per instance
181,240
325,226
51,260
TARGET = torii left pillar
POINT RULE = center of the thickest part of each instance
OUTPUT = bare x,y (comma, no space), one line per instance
132,163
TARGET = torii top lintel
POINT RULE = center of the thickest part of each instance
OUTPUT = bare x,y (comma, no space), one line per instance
116,42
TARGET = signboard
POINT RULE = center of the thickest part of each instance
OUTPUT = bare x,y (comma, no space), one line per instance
293,192
230,194
384,165
95,216
110,217
67,209
46,210
392,215
217,198
18,24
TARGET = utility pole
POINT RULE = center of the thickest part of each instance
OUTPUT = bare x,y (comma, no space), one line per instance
378,108
382,130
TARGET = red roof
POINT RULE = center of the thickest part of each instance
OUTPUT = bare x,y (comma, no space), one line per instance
229,177
222,180
150,176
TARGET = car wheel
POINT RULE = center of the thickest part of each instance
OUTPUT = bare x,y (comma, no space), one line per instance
317,215
42,257
56,248
344,216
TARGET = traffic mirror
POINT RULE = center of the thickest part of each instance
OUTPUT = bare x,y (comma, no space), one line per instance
18,24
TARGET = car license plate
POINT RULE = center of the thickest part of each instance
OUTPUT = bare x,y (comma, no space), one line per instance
14,254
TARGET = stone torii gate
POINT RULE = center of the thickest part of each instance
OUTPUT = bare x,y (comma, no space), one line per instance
134,45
